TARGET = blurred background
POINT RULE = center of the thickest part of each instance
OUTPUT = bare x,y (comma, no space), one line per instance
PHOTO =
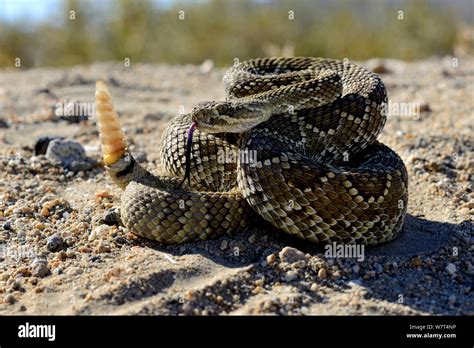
71,32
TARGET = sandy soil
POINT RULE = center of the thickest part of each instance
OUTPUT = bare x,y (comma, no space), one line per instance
58,257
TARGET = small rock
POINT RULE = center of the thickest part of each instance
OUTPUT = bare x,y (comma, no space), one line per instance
271,259
224,245
451,268
378,66
119,240
369,274
103,247
81,166
290,255
416,262
290,276
15,286
322,273
314,287
10,299
3,123
112,217
468,205
41,144
69,154
44,212
7,225
39,268
355,269
421,142
54,243
425,107
99,232
74,271
94,258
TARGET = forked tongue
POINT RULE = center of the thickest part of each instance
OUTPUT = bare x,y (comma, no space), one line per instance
189,145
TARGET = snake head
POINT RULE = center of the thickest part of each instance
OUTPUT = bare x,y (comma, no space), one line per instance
230,116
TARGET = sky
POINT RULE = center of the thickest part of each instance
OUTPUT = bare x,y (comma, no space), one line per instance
31,10
40,10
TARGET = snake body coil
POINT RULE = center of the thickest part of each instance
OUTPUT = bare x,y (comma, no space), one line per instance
295,141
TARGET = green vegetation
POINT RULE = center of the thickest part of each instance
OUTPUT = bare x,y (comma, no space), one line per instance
144,31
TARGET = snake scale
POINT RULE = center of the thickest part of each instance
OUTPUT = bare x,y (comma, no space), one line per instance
294,141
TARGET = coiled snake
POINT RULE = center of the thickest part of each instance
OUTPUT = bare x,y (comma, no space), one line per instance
295,141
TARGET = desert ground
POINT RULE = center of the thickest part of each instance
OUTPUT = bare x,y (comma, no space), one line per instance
60,253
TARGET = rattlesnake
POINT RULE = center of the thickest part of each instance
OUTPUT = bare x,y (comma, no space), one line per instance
316,171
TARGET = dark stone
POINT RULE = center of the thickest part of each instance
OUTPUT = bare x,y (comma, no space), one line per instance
94,258
7,225
3,123
54,243
42,144
119,240
112,217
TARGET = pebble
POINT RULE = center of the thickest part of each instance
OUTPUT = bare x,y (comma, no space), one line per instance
119,240
7,225
451,268
10,299
70,154
94,258
3,123
39,268
290,276
54,243
378,66
416,262
356,269
425,107
322,273
224,245
271,259
99,232
103,247
369,274
75,271
291,255
112,217
41,144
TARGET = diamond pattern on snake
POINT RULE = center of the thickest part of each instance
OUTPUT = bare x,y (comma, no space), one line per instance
316,172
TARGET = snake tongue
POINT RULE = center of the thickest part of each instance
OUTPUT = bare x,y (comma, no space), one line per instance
189,144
